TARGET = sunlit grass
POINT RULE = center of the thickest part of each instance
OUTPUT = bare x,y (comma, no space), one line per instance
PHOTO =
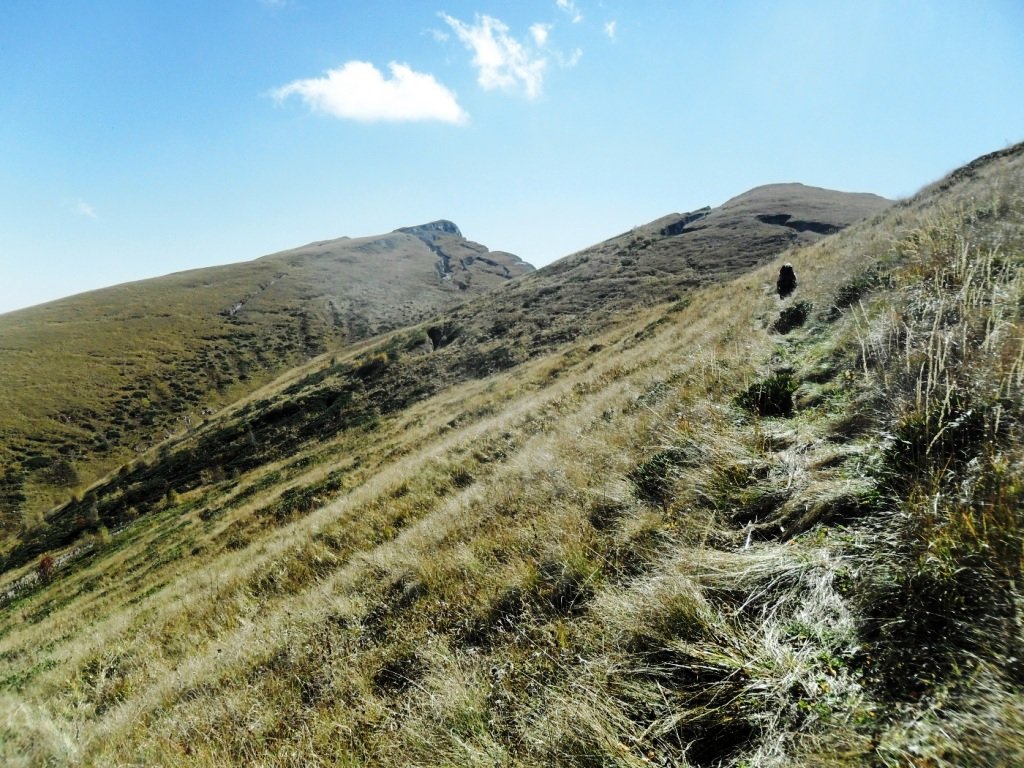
610,554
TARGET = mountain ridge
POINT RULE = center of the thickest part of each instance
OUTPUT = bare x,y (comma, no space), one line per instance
140,361
494,331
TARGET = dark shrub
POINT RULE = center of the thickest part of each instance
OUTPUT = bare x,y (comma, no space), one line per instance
936,440
398,673
771,397
854,290
792,317
652,478
462,478
372,367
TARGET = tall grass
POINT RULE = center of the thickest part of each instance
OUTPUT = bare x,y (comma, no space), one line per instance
617,556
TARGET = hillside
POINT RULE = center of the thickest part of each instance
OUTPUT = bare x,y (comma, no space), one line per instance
616,514
681,251
495,331
90,381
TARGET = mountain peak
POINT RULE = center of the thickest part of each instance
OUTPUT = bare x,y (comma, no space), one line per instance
432,229
795,193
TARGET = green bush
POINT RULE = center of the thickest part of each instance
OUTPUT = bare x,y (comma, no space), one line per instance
852,291
937,440
770,397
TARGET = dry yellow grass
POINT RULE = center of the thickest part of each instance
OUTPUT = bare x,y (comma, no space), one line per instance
601,557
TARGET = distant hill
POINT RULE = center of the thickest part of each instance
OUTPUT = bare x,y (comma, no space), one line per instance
682,250
663,260
88,381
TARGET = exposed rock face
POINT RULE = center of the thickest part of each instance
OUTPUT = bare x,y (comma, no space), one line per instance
458,259
787,220
430,231
679,226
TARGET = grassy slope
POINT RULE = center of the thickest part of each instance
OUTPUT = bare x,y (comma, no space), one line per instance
684,538
576,298
89,381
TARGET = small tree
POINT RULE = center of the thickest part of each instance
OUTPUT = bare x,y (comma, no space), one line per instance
46,567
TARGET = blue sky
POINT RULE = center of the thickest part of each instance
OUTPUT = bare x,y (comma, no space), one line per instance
142,137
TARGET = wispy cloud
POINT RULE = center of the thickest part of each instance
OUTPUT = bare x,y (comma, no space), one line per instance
83,208
571,60
570,8
359,91
540,33
610,29
500,59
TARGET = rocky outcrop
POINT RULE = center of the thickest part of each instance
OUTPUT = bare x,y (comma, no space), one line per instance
429,232
681,225
787,220
459,259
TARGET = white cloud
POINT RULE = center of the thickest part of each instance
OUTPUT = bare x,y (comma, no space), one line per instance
572,60
569,7
500,59
540,33
609,29
83,208
357,90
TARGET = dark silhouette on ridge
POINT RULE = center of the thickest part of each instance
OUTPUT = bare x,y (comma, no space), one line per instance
786,283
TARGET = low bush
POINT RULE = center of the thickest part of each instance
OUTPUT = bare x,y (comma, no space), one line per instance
792,317
770,397
652,478
47,565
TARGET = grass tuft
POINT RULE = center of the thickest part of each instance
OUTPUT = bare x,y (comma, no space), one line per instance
770,397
